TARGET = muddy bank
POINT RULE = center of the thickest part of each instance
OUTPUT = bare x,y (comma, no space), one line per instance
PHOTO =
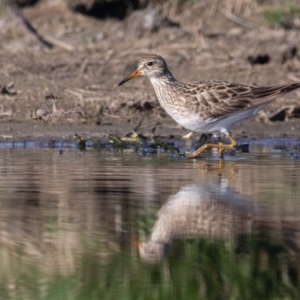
42,131
72,87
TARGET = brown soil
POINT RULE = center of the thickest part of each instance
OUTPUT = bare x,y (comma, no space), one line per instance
73,87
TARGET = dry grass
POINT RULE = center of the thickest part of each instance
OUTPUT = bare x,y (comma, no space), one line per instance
213,42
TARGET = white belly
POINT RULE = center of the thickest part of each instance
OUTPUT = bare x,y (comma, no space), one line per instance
197,124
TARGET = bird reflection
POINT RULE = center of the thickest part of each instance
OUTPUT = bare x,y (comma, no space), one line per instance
197,210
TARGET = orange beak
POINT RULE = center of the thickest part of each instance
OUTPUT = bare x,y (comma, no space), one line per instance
134,74
137,242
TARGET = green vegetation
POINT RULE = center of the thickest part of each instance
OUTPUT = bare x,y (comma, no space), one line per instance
258,268
1,8
277,16
274,17
295,10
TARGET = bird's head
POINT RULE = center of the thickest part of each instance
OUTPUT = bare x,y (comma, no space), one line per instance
151,66
152,252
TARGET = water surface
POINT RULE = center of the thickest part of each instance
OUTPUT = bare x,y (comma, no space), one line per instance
70,222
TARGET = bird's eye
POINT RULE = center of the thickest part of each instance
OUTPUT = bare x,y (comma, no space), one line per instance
150,63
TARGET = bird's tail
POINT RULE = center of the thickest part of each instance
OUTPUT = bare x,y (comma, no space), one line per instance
264,95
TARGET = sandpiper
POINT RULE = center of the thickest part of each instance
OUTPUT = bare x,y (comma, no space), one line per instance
198,211
210,107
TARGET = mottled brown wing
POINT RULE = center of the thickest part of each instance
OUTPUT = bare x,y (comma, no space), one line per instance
217,99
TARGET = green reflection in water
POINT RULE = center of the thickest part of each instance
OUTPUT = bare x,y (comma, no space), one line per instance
257,267
58,236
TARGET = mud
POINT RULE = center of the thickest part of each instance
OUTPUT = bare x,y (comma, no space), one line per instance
72,88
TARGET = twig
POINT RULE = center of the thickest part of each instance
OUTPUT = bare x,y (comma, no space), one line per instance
236,19
28,28
48,42
83,67
139,124
188,135
59,43
154,128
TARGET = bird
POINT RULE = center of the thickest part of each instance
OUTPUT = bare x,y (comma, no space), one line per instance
198,210
208,107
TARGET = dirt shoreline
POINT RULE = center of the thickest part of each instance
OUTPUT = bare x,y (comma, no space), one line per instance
55,93
41,131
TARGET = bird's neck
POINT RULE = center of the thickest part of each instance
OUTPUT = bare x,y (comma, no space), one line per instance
164,80
164,88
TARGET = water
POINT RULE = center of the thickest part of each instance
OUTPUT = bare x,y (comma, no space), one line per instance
70,222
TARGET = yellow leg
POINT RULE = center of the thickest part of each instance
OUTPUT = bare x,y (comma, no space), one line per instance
221,165
220,146
221,150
